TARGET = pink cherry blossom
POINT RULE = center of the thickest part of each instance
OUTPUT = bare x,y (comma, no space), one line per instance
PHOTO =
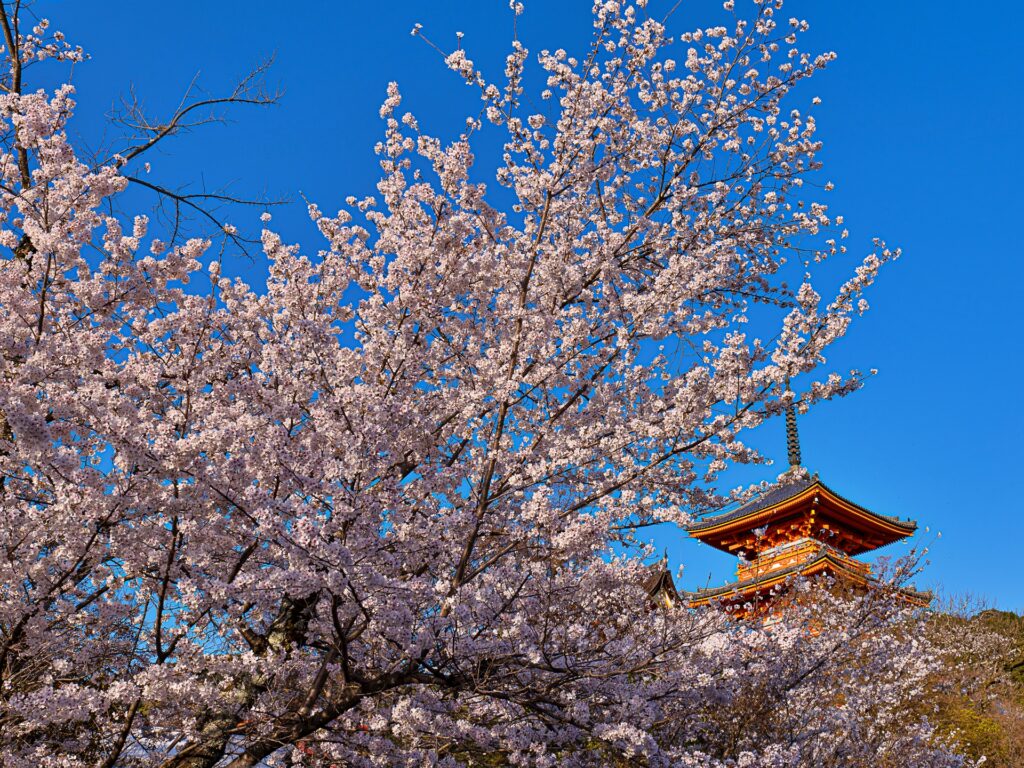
388,507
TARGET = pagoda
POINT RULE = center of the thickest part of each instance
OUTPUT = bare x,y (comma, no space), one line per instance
800,528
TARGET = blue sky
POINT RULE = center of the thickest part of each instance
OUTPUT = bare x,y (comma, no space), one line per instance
921,119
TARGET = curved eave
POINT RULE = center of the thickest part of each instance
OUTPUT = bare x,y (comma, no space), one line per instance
863,519
738,590
741,590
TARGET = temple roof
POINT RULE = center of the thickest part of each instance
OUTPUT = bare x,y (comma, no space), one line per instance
826,560
772,497
790,490
767,580
659,583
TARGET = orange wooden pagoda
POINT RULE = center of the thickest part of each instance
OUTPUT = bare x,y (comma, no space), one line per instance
802,527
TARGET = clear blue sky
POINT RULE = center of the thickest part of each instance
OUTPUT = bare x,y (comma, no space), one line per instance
922,122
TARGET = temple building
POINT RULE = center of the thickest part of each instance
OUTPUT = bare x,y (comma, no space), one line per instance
660,586
803,528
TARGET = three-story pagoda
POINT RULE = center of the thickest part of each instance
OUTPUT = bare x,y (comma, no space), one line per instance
803,528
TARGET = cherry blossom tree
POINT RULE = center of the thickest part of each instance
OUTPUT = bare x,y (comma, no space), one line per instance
388,508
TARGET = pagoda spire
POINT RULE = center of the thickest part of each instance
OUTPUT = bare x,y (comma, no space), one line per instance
792,436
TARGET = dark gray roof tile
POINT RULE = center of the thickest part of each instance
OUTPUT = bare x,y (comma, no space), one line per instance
782,493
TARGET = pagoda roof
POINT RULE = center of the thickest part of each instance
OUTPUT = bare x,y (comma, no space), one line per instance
659,584
826,560
782,497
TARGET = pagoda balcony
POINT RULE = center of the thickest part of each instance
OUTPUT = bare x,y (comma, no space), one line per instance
793,553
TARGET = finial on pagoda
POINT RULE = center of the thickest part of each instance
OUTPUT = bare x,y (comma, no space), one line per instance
792,436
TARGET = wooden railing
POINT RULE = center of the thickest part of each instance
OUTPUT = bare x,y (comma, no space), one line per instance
794,553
